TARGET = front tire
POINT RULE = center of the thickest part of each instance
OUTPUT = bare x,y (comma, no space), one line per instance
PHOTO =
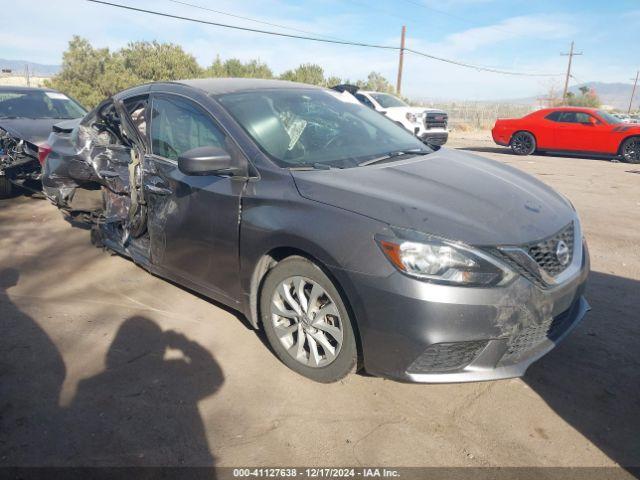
630,150
6,187
523,143
306,321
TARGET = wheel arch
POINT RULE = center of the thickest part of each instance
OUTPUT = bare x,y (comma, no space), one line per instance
274,256
523,130
633,135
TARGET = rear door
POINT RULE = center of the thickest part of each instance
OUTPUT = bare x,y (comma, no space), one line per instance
193,221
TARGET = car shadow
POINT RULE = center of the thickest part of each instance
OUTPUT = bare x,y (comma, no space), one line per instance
507,151
592,380
141,410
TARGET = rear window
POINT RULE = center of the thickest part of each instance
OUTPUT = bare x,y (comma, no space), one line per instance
38,104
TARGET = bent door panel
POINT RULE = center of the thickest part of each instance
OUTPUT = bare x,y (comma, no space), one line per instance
193,220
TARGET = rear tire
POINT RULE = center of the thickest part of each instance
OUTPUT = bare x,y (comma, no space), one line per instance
630,150
6,187
306,321
523,143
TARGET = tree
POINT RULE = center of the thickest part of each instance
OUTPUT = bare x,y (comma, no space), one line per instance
587,98
331,81
376,82
233,67
83,73
153,61
305,73
90,75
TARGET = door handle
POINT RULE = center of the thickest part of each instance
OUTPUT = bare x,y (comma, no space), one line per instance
159,190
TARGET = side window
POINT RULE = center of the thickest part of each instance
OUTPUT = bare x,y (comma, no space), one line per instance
568,117
178,125
553,116
364,100
582,117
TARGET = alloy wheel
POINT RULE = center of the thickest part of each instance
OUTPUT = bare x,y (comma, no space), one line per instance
631,150
522,143
306,321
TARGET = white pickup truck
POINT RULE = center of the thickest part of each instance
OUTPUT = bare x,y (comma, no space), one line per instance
428,124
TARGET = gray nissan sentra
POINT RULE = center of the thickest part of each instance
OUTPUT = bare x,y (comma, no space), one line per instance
341,235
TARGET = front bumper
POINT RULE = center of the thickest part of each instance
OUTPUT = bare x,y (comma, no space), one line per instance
421,332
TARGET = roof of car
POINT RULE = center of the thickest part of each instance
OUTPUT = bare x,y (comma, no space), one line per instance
570,109
9,88
217,86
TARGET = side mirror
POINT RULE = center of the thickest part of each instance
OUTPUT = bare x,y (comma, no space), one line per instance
206,161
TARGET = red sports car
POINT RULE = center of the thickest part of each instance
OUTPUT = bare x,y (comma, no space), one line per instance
570,129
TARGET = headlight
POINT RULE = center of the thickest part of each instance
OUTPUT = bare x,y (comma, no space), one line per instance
411,117
440,261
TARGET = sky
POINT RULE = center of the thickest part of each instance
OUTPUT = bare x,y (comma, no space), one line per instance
518,35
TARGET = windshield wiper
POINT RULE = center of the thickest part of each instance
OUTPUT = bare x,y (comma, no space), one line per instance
397,153
315,166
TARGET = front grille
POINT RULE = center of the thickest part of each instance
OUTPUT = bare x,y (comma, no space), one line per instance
533,260
443,357
435,120
544,253
526,339
534,334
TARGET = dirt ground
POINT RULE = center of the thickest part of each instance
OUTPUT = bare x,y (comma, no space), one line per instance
102,363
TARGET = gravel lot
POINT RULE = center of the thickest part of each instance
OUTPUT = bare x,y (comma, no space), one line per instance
102,363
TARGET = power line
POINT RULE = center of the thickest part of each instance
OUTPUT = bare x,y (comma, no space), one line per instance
285,27
477,67
324,40
462,19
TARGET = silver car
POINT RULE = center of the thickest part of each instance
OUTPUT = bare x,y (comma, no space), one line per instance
342,236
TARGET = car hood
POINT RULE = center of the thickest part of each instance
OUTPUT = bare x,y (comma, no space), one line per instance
32,130
448,193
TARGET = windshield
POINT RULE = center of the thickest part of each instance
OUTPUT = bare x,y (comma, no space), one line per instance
38,104
298,127
388,101
607,117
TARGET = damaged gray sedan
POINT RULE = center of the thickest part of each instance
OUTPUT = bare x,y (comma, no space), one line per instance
27,116
342,236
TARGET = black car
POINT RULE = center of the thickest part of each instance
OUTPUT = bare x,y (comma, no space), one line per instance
338,232
27,116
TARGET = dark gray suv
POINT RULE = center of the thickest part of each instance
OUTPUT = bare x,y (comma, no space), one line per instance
340,234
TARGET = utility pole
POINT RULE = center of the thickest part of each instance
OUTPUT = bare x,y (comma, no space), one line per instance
635,83
571,54
26,74
401,60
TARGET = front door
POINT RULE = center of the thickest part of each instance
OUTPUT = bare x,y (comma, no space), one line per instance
193,221
574,131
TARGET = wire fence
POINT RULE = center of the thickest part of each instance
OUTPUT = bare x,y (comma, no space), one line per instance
478,115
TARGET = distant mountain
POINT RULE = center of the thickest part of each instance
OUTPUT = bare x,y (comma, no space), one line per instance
18,67
615,94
